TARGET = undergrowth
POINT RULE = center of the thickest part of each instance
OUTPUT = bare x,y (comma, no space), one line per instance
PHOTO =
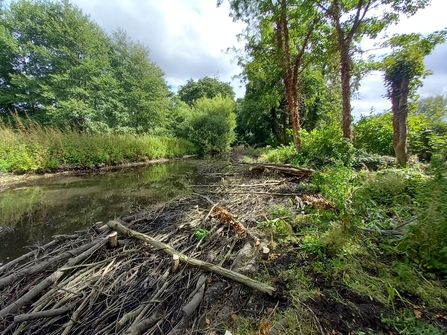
405,272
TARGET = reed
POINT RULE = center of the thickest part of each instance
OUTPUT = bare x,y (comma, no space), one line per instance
32,147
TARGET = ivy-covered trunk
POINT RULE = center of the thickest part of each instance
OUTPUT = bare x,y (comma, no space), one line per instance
399,100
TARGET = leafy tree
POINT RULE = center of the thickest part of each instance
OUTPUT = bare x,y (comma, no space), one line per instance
404,68
144,93
285,29
353,19
204,88
60,68
55,58
435,107
211,124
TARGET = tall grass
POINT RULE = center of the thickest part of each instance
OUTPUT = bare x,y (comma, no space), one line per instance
34,147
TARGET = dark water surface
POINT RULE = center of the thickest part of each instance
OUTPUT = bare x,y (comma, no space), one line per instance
32,212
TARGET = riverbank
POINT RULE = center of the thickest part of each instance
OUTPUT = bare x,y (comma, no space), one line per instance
9,179
324,277
43,149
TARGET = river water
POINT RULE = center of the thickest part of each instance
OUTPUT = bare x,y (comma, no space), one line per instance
32,212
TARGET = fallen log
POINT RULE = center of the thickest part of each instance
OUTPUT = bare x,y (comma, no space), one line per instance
118,226
287,169
191,306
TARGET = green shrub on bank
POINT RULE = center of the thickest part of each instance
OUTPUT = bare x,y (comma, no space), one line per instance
35,147
211,124
319,147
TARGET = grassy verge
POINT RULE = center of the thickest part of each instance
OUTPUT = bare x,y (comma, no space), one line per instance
35,147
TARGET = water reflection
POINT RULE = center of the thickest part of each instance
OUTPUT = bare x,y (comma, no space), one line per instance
32,213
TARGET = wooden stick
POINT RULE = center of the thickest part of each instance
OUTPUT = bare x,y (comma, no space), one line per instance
39,267
192,305
45,314
116,225
175,263
385,232
112,240
54,277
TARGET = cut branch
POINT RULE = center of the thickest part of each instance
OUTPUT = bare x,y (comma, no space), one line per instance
54,277
114,224
45,314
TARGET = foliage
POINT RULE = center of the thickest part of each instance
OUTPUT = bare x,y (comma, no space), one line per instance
282,154
406,58
211,124
200,233
280,39
407,324
60,68
325,146
36,147
374,134
204,88
336,185
425,243
434,107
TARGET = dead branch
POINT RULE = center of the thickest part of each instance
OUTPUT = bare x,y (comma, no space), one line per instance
114,224
287,169
39,267
384,232
192,305
54,277
45,314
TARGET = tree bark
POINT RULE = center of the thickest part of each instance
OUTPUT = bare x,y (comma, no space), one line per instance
400,90
345,74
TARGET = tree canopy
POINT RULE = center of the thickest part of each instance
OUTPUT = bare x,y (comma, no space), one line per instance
60,68
206,87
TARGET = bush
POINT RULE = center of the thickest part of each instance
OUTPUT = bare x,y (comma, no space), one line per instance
374,134
325,146
211,124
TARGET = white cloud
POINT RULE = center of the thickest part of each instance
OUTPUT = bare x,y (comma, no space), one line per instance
188,38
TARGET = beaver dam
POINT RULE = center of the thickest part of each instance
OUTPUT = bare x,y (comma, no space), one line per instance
186,266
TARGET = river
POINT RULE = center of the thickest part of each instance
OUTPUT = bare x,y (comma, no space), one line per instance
33,211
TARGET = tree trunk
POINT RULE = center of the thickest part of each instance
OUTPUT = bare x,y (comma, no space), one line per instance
345,74
294,112
275,126
400,91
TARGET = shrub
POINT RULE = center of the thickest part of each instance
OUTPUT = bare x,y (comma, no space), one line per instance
325,146
211,124
374,134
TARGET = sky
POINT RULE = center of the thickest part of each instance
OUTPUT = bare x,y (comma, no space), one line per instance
188,39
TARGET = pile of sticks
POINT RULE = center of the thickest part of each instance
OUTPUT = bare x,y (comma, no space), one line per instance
145,273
